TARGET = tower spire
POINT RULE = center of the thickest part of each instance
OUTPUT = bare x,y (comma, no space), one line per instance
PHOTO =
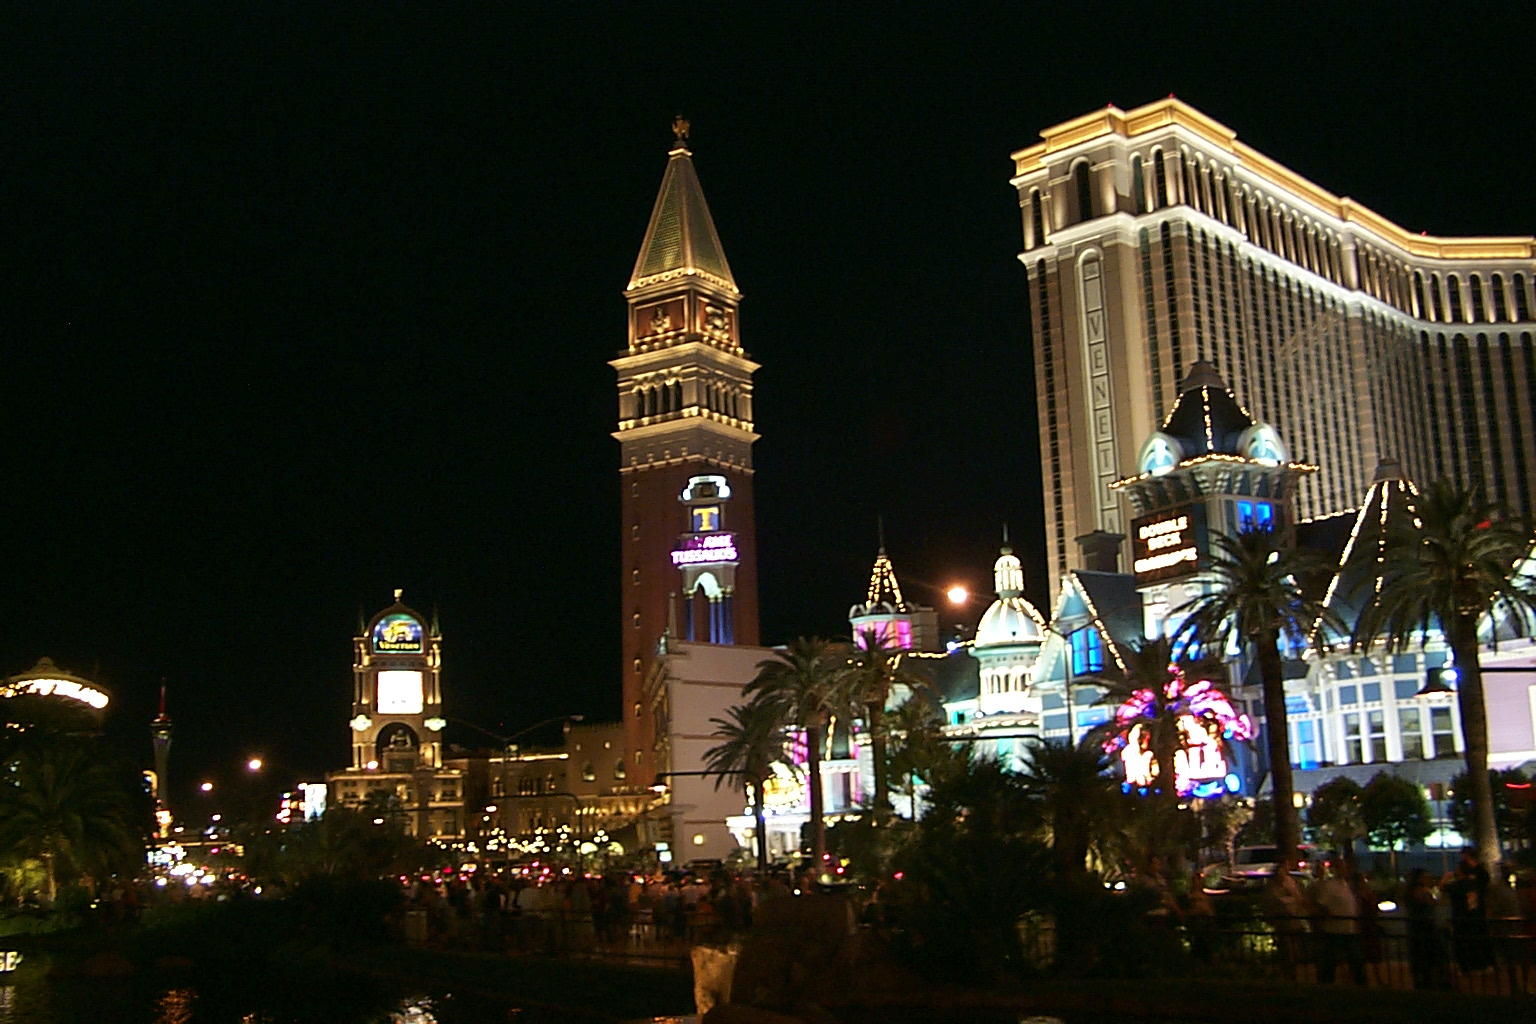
680,240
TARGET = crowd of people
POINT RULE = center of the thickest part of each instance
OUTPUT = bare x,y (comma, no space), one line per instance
569,913
1337,922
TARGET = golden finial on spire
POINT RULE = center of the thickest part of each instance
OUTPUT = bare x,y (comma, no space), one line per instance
680,132
398,592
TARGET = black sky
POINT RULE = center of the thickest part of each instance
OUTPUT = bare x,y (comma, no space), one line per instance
299,312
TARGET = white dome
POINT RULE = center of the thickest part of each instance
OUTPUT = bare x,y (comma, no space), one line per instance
1010,620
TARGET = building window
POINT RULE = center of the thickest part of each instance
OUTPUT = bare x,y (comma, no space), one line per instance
1087,651
1376,734
1082,186
1442,738
620,773
1138,185
588,773
1037,216
1354,752
1476,286
1255,515
1522,310
1453,289
1411,730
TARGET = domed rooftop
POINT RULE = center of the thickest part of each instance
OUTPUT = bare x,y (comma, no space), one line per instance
1011,619
1207,419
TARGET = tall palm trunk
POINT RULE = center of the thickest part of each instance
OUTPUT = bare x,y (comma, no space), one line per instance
760,816
1282,786
1474,732
813,732
875,715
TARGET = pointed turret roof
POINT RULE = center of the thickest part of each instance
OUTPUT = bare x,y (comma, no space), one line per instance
1207,418
883,588
1357,579
680,240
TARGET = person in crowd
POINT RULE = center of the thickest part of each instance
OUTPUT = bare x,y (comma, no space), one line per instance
1338,925
1370,918
1426,952
1467,890
1289,910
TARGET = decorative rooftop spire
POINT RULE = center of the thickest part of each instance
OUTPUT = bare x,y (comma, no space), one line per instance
681,240
883,588
1202,374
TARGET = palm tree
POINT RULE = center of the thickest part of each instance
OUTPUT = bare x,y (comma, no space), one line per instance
1255,592
874,670
751,743
1458,563
921,753
65,806
1071,792
803,685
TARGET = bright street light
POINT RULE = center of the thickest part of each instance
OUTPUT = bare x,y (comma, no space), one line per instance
254,764
206,787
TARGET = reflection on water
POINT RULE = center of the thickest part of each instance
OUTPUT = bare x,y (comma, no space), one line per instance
36,1000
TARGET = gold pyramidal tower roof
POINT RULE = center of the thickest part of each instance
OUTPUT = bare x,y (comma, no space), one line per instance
680,240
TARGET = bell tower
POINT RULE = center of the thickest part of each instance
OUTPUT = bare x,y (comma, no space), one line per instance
685,433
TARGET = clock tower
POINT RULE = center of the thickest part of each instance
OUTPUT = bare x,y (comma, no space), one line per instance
685,447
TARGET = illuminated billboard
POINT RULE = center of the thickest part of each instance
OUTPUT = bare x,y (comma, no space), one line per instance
70,688
399,692
1168,545
397,634
1206,722
709,548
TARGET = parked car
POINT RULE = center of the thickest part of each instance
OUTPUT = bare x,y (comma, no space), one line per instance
1252,866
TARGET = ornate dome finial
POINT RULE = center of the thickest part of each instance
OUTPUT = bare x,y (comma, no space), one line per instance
398,592
680,132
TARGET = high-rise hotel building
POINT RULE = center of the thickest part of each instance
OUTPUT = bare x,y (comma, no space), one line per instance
1154,238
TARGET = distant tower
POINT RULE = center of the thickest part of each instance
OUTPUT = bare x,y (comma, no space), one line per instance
397,702
160,729
1008,641
903,626
397,728
685,433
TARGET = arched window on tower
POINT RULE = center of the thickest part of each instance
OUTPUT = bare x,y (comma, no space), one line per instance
1453,291
1475,284
1418,294
1138,185
1496,299
1522,307
1436,302
1082,188
1160,164
1037,215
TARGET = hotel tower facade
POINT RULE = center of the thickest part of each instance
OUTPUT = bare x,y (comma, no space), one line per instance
1154,238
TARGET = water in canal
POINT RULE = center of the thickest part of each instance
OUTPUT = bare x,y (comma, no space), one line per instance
32,998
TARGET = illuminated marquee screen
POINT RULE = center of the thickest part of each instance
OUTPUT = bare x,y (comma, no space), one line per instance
1167,545
399,693
397,633
711,547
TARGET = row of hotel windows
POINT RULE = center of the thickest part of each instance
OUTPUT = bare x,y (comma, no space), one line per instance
1300,240
1265,331
533,785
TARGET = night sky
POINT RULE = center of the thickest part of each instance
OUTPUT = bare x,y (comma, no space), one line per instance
297,312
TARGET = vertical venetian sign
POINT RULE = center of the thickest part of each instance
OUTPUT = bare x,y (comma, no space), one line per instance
1100,392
